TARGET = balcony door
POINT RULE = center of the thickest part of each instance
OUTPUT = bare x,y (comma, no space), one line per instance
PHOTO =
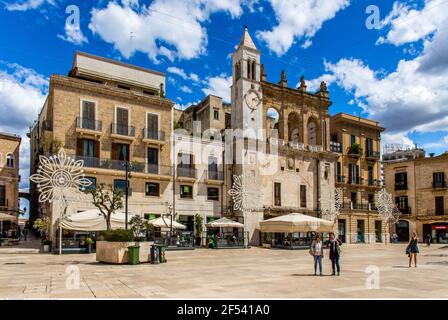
89,151
213,168
369,147
353,173
88,115
122,125
152,126
120,154
153,160
440,206
371,180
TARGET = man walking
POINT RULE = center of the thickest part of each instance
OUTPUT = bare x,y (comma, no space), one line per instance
335,251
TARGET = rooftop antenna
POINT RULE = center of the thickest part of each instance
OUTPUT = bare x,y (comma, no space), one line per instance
131,36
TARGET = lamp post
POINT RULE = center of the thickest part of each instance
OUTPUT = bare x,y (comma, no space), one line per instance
128,178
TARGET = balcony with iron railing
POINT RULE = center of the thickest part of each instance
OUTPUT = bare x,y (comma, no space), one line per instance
354,151
215,175
401,186
439,185
405,210
120,165
374,183
355,180
123,131
150,135
372,155
184,172
340,178
435,212
88,124
335,147
358,206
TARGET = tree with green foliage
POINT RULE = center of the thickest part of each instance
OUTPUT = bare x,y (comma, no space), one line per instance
107,200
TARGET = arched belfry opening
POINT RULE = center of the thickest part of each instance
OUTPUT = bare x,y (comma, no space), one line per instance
294,128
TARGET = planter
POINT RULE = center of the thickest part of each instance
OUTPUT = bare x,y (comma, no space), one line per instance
46,248
89,248
118,252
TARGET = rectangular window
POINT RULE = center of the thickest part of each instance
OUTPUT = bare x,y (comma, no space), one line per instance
120,185
353,174
302,196
369,146
438,180
153,160
372,200
120,152
124,87
440,206
277,194
401,181
186,191
371,180
213,194
213,168
150,216
93,184
152,189
88,115
152,122
354,197
122,121
228,120
2,196
216,114
352,139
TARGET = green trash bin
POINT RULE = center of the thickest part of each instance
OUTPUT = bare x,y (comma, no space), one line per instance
162,249
134,253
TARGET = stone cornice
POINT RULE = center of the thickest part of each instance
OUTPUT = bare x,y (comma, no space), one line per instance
96,88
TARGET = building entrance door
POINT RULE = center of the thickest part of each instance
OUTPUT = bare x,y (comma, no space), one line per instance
402,228
378,231
341,230
360,231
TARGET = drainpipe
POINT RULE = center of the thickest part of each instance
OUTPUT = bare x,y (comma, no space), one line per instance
318,186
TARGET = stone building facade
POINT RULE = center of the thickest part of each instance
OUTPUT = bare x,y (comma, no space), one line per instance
420,190
357,142
9,174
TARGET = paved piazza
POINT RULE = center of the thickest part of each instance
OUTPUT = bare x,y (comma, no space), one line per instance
205,273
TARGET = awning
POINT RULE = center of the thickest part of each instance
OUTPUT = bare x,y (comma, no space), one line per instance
7,217
223,223
93,220
296,222
165,222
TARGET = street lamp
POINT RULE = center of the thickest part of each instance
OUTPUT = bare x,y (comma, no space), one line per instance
128,175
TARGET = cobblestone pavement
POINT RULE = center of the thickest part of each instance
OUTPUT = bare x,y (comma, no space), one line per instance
230,273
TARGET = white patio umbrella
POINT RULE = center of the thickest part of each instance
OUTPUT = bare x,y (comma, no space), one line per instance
164,222
223,223
296,222
93,220
7,217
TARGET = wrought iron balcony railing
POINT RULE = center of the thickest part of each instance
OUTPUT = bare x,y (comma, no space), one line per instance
153,134
186,172
370,154
215,175
135,166
122,130
439,185
89,124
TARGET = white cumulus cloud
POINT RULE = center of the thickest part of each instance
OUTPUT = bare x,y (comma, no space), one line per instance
168,28
27,5
298,20
219,86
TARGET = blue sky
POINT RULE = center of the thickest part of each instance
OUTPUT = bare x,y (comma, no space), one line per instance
396,72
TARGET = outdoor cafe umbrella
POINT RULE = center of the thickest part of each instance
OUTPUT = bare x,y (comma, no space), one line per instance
296,222
93,220
223,223
163,222
7,217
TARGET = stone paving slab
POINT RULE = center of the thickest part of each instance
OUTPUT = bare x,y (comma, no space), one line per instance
245,273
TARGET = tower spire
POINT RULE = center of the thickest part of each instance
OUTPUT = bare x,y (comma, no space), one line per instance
246,40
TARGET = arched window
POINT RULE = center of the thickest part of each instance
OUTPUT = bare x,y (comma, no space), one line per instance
294,127
249,69
237,71
10,160
312,133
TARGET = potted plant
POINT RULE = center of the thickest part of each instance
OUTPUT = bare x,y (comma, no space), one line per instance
137,166
43,226
89,242
199,228
355,148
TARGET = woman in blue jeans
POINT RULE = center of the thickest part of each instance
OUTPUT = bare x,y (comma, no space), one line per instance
317,251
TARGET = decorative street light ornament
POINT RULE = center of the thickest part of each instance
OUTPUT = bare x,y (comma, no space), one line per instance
57,174
386,207
245,193
333,209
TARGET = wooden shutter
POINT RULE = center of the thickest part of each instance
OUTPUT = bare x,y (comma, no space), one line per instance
80,147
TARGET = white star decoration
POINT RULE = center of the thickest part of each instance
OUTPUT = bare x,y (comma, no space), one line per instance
57,174
386,207
244,193
334,209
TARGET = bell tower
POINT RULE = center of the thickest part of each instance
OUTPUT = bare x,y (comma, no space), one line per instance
247,97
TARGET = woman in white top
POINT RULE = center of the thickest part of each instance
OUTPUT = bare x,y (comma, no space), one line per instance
317,251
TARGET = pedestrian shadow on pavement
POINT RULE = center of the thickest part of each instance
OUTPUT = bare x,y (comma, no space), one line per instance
309,275
401,267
